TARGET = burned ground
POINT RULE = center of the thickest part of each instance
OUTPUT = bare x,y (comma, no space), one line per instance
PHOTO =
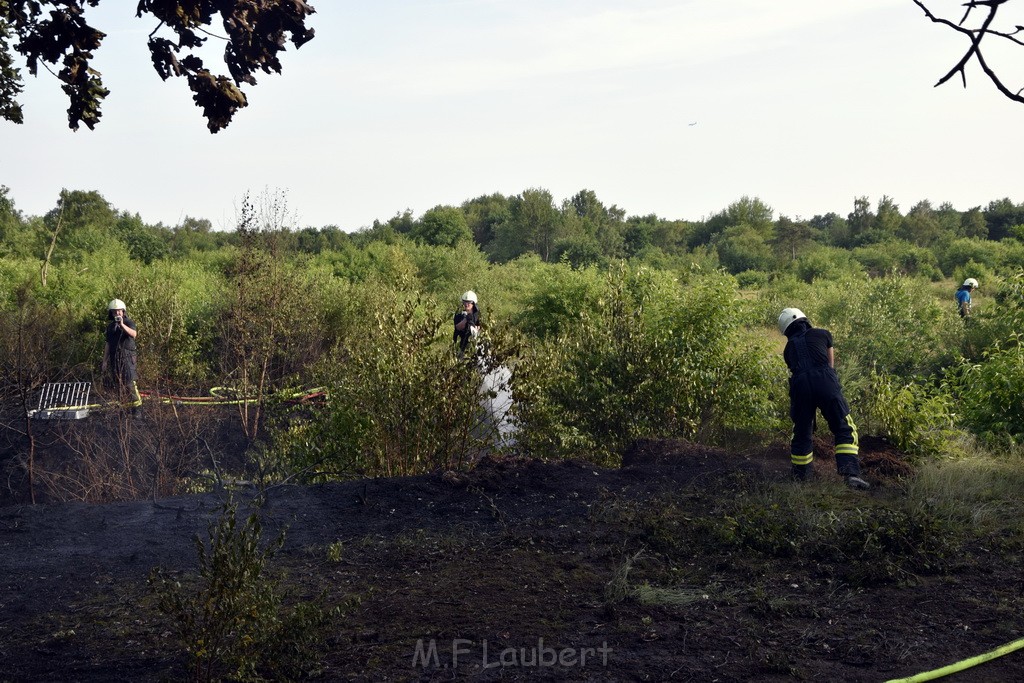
657,570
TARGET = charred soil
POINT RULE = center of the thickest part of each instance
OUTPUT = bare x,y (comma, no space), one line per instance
667,568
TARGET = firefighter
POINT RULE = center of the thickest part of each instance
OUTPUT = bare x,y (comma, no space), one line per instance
814,385
467,321
120,357
963,297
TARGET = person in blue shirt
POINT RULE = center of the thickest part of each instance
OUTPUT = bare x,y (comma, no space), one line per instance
813,386
963,297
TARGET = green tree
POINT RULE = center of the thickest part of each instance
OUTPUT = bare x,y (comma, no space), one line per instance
483,215
860,222
388,231
81,222
639,233
753,212
579,251
55,32
1000,216
746,211
835,229
974,224
144,243
670,236
585,214
743,248
888,218
921,226
10,219
949,219
791,237
534,224
10,78
196,235
442,226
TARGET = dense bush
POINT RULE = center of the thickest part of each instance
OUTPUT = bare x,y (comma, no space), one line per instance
891,323
989,392
827,263
655,358
402,401
898,257
918,417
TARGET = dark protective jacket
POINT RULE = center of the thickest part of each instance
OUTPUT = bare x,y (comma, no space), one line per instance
814,386
462,338
122,353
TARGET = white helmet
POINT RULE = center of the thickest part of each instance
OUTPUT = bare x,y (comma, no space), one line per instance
788,317
115,305
971,282
469,296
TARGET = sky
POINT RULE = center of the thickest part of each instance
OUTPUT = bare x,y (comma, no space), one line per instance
670,107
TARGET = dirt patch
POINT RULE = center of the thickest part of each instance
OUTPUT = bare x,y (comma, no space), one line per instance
521,570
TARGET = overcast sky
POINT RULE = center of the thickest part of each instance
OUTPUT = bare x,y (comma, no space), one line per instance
676,108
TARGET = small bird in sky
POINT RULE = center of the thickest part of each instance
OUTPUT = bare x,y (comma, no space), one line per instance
694,123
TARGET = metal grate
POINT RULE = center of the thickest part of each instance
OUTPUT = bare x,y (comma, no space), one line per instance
63,401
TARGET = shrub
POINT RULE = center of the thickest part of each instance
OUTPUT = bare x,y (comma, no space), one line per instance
752,279
653,359
230,620
402,401
989,392
958,254
898,257
557,298
891,323
826,263
916,416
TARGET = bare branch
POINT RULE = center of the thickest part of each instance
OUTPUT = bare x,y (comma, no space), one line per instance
975,35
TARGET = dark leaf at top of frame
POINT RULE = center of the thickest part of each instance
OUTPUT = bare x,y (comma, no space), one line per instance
55,33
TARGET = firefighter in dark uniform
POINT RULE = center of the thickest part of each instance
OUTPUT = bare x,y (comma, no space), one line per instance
120,358
814,385
466,322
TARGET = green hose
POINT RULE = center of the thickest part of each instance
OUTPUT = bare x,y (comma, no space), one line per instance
960,666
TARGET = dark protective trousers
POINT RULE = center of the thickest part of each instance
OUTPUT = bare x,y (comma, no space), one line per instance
817,389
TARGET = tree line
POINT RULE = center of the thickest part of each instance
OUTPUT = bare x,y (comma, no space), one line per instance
581,231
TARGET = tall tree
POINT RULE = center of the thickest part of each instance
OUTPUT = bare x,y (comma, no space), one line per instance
534,225
921,226
596,221
483,215
791,236
741,248
1001,215
10,219
887,219
442,226
83,219
949,219
55,32
860,221
973,222
753,212
10,77
835,229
